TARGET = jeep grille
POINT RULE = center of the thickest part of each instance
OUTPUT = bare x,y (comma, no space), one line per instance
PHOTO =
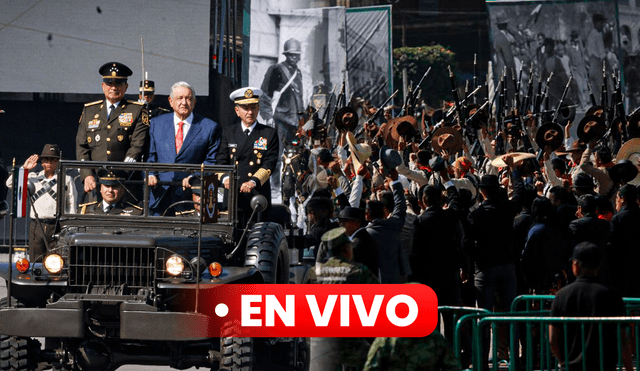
112,266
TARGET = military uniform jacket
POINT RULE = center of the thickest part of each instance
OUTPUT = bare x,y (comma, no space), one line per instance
126,134
120,208
155,111
339,270
255,156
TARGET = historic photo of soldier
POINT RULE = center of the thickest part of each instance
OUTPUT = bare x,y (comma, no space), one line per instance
300,49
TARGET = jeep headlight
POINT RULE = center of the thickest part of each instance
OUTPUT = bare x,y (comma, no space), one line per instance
175,265
53,263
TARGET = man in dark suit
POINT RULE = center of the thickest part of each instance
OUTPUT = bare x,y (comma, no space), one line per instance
113,129
183,138
385,224
251,146
588,227
624,242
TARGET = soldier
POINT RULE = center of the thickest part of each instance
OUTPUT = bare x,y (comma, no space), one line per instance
330,353
111,189
196,193
251,146
146,96
341,268
282,100
113,129
282,87
431,352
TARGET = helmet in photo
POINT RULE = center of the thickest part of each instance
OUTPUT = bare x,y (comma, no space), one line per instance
292,46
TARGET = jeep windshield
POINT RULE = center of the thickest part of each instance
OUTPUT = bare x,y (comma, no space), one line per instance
139,192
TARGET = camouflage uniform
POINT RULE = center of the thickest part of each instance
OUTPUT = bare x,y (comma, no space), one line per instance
339,270
428,353
352,351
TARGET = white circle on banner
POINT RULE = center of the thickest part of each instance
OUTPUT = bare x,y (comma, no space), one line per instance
222,310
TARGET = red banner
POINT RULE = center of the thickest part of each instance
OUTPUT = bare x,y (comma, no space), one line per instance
407,310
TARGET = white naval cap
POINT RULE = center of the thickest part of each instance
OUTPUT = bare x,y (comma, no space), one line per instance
246,95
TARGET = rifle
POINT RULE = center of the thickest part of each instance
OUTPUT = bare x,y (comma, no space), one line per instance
516,86
475,77
414,96
564,94
545,93
591,95
405,107
495,94
499,138
464,101
620,110
456,98
380,109
538,100
527,97
603,100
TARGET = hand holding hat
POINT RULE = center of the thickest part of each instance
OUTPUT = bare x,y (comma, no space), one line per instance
390,159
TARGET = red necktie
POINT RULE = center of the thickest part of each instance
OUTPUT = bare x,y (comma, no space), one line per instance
179,137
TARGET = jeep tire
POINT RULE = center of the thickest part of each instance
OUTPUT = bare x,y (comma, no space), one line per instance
267,250
17,353
236,354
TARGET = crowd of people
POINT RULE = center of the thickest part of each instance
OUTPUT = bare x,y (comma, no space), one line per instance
415,199
421,203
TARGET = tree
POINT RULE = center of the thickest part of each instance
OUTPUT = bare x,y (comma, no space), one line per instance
437,86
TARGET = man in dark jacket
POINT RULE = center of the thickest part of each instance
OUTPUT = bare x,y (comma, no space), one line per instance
384,227
490,242
437,247
588,227
587,297
624,242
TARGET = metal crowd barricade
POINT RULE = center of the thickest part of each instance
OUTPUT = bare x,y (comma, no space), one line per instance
529,301
458,313
546,359
632,305
469,319
531,317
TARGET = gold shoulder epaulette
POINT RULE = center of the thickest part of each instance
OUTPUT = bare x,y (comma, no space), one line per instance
93,103
135,102
136,206
83,207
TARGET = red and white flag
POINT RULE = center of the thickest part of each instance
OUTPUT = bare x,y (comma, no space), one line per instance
20,192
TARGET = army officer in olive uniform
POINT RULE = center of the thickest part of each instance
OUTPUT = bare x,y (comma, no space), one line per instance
111,192
253,147
113,129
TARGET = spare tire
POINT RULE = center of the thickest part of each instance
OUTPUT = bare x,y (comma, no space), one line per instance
267,251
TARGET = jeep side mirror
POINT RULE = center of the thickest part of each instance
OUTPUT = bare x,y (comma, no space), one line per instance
258,202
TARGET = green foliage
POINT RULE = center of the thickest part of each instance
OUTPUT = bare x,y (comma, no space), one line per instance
437,86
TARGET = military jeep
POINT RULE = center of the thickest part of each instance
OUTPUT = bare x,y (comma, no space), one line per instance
107,292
